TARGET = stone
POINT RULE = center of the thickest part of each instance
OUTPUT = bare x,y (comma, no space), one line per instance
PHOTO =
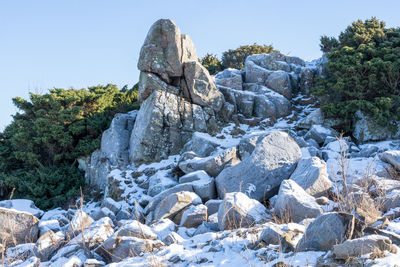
24,205
360,246
80,221
312,175
172,238
212,165
327,230
111,204
203,184
272,234
174,203
307,80
48,244
201,144
391,200
47,225
279,81
213,205
231,78
238,210
248,144
162,52
319,133
294,203
315,117
259,175
201,88
365,129
206,227
19,253
95,234
136,229
392,157
194,216
160,182
17,227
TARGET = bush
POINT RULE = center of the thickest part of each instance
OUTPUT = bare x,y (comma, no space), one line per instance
40,148
236,58
364,73
211,63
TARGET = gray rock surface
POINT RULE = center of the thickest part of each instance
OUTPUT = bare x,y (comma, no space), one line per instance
259,175
327,230
194,216
319,133
17,227
312,175
361,246
294,203
231,78
238,210
392,157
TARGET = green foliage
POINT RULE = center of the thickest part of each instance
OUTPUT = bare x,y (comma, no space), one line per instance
364,67
235,58
38,150
211,63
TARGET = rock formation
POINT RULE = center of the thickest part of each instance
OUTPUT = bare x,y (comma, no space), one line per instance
177,95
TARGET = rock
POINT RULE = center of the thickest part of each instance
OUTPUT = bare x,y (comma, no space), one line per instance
279,81
259,175
201,144
24,205
48,244
314,118
47,225
294,203
20,252
97,214
163,228
361,246
319,133
174,203
160,182
272,234
95,234
322,200
173,238
203,184
116,249
194,216
213,165
206,227
231,78
178,95
307,80
238,210
392,200
17,227
115,140
136,229
213,205
162,51
392,157
327,230
365,129
94,263
79,222
31,262
312,175
248,144
98,168
201,89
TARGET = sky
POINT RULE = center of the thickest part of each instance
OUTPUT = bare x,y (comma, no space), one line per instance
74,43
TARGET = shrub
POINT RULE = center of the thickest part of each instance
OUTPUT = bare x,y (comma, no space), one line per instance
40,148
211,63
364,68
235,58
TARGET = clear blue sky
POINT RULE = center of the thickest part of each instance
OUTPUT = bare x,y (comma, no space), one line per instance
74,43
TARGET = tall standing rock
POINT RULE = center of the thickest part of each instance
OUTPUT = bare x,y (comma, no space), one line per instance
177,95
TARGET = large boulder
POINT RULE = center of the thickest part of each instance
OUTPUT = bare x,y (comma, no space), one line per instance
363,245
366,129
260,174
231,78
279,81
24,205
163,52
238,210
17,227
312,175
294,203
177,95
327,230
392,157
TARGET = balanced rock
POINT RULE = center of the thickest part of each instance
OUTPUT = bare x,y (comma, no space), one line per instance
177,93
260,174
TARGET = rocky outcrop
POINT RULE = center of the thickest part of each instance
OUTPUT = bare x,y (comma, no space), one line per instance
177,93
259,175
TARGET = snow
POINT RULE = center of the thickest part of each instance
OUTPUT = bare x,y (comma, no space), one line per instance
23,205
